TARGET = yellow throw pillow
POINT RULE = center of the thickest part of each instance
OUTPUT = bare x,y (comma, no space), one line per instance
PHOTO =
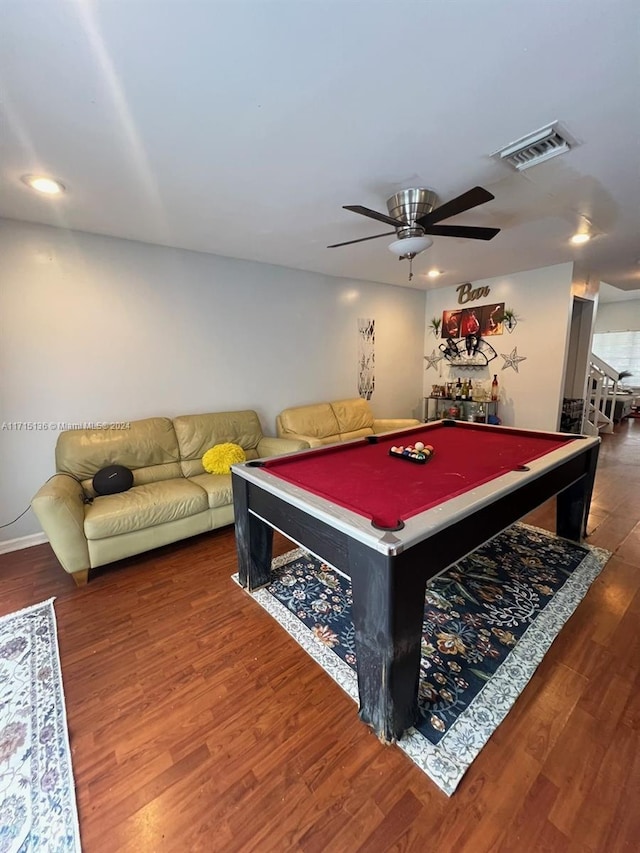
219,458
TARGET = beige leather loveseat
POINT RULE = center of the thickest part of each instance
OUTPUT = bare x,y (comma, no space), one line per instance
328,423
172,496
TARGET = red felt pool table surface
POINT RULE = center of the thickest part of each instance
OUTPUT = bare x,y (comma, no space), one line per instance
361,476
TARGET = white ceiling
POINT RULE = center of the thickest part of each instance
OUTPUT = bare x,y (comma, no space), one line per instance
241,127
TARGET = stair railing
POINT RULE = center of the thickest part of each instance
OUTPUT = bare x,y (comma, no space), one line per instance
602,388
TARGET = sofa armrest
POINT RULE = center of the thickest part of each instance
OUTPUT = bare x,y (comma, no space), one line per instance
271,446
59,507
391,424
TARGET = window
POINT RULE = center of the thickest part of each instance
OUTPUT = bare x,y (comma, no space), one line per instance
621,350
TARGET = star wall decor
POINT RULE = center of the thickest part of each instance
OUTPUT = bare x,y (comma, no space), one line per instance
512,359
433,359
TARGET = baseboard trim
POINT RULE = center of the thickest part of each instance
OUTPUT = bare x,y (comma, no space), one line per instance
23,542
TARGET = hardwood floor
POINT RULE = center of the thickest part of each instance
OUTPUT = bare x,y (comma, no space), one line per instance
198,724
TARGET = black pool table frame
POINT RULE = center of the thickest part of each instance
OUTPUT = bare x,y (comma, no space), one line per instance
389,573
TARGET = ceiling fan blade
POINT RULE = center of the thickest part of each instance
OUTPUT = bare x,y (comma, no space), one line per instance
466,201
373,214
468,231
361,240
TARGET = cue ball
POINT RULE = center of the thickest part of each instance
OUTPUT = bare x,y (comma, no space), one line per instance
419,445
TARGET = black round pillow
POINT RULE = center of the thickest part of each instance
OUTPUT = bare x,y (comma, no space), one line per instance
112,479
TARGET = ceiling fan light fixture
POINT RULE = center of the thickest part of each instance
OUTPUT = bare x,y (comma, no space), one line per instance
410,246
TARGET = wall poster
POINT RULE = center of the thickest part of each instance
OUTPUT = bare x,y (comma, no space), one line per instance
483,321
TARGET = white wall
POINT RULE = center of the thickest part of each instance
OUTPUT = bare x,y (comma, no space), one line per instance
623,316
542,300
100,329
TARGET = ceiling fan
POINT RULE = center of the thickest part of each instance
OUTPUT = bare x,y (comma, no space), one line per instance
413,214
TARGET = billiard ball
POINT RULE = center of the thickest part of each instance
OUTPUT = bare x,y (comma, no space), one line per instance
429,447
419,445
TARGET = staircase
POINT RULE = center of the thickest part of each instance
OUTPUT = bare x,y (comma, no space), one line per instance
602,386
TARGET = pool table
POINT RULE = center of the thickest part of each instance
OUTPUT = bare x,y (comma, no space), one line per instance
390,524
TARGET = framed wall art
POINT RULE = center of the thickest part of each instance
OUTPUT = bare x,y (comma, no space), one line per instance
484,321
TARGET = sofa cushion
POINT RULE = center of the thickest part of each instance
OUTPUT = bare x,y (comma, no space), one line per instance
356,433
317,420
353,416
217,487
197,433
143,506
148,447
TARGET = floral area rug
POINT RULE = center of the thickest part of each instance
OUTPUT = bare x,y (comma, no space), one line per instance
488,622
37,796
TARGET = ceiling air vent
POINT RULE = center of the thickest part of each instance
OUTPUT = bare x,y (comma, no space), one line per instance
537,147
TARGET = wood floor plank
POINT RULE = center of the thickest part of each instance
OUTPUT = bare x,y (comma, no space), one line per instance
406,810
524,829
592,826
572,766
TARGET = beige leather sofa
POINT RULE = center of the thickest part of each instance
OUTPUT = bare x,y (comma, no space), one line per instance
328,423
172,496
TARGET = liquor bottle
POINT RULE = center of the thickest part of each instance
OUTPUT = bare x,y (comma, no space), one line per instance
494,387
465,390
470,391
458,389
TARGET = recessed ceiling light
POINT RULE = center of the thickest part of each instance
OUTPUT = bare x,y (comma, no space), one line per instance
578,239
42,184
434,273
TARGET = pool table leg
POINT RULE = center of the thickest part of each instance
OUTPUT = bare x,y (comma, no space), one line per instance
387,612
573,503
254,540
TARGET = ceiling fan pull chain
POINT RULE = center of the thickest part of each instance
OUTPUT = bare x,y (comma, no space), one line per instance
410,268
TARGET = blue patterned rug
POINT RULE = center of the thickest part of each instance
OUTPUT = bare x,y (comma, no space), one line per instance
488,622
37,795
